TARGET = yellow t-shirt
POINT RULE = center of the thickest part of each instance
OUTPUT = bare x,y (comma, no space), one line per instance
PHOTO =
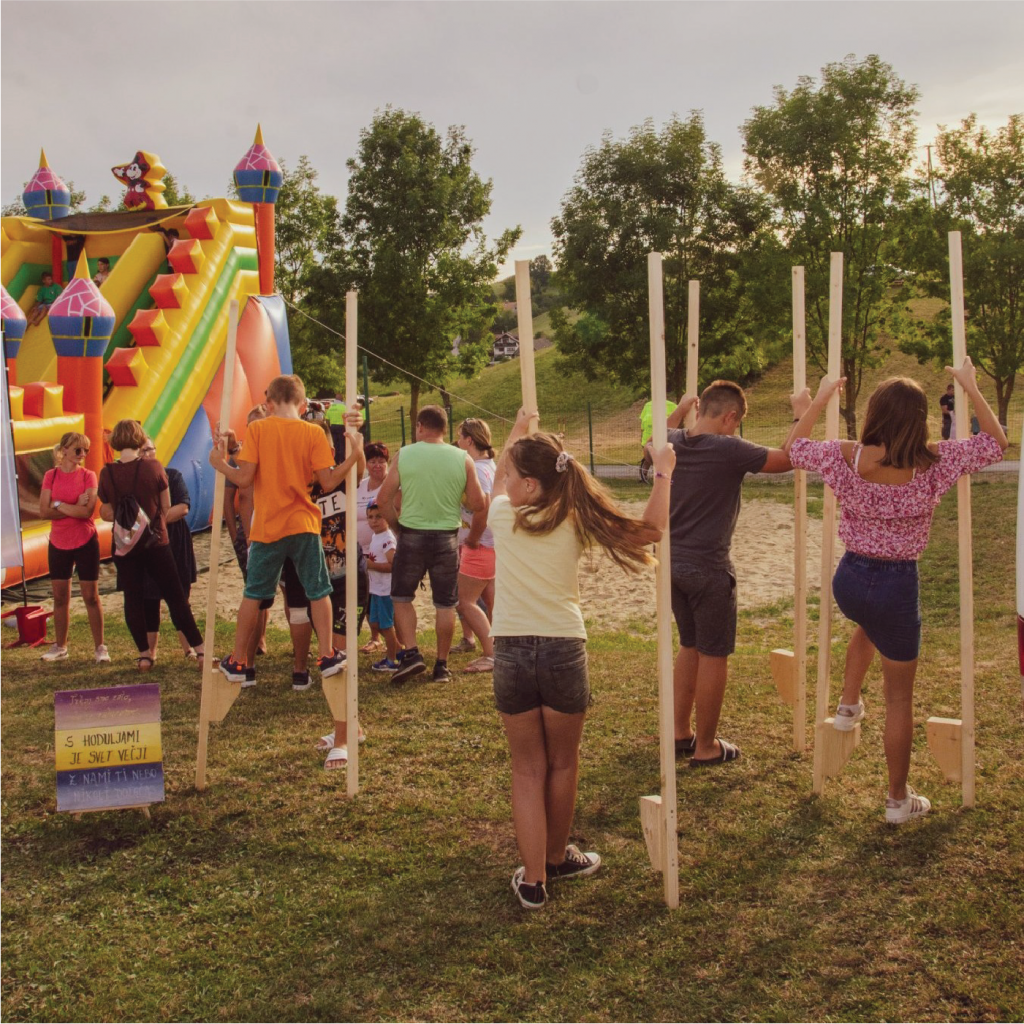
536,588
287,453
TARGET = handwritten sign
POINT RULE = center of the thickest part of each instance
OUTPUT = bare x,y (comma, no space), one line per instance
108,746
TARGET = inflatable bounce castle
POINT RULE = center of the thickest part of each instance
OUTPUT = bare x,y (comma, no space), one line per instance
148,341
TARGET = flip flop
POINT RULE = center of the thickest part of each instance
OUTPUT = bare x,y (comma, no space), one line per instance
337,757
327,742
482,664
729,752
685,748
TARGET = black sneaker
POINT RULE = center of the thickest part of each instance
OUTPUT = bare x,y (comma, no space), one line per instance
235,673
250,676
331,664
534,896
412,664
301,681
442,674
575,865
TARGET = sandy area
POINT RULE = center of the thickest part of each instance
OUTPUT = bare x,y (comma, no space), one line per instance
762,553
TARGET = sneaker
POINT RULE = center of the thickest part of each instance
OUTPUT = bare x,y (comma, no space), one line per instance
233,672
332,664
411,664
575,865
102,655
533,897
911,806
847,716
384,665
300,681
442,674
464,646
250,676
55,653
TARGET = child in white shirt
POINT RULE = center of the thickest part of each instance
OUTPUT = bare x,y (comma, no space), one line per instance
380,554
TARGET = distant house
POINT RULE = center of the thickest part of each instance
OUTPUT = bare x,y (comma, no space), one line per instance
506,346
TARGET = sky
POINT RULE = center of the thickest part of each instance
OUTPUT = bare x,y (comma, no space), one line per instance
533,83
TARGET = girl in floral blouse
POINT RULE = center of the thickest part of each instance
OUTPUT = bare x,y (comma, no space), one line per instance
888,485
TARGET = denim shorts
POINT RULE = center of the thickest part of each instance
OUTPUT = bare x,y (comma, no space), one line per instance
704,606
881,596
423,552
530,671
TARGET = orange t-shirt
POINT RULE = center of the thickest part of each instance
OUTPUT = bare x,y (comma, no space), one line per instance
287,453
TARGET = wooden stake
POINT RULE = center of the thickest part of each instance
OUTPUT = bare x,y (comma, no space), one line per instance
692,343
351,552
830,746
217,694
948,737
524,314
665,847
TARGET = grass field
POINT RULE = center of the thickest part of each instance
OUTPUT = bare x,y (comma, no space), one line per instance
272,897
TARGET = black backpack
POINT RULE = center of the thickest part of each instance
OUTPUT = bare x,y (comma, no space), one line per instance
131,525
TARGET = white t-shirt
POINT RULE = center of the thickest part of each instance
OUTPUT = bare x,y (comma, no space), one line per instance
536,588
365,497
485,469
378,548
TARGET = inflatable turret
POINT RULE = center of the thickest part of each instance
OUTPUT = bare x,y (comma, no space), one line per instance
46,197
258,178
14,324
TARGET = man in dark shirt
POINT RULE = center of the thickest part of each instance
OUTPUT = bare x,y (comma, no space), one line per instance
705,503
946,405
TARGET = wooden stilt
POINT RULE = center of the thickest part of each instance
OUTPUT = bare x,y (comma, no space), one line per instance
692,346
831,747
524,315
658,814
789,668
217,694
952,740
351,674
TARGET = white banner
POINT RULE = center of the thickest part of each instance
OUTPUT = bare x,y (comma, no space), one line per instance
10,520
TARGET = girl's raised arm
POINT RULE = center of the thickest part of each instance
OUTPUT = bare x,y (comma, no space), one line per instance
988,422
520,429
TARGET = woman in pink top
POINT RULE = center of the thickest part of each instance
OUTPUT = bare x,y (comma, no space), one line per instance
888,486
68,499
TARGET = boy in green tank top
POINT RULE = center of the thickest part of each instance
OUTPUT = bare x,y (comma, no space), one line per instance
421,498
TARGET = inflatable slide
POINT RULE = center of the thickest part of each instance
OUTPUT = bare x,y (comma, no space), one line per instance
139,330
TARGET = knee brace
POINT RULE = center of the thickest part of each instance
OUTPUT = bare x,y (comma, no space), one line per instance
298,616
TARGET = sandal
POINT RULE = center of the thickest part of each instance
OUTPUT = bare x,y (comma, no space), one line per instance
326,742
727,752
371,647
148,663
484,663
685,748
337,757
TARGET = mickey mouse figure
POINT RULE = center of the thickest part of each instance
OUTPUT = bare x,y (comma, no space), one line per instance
143,180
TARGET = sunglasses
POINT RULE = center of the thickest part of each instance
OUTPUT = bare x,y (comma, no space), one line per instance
81,451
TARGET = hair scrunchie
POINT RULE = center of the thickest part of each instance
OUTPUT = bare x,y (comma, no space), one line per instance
562,462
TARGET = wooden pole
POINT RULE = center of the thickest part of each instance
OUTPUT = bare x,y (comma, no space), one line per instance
524,314
664,843
692,342
831,748
352,551
217,693
964,534
800,527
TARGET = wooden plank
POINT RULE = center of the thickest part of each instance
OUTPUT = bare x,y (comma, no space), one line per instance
692,346
964,532
945,741
524,314
652,822
799,669
783,666
351,553
835,746
217,693
669,846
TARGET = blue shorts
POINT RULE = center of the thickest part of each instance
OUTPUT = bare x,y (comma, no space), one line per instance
382,611
266,560
881,596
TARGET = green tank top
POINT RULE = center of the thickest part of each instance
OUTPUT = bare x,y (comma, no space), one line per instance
433,478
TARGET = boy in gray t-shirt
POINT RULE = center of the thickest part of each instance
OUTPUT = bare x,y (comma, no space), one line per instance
704,506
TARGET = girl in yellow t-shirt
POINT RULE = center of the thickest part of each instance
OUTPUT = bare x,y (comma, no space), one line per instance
546,510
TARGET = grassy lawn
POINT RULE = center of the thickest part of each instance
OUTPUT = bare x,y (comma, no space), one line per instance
272,897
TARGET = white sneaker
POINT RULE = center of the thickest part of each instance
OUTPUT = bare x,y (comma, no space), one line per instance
102,655
847,716
55,653
912,806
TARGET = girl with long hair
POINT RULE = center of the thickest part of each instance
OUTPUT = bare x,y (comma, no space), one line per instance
68,498
545,512
888,485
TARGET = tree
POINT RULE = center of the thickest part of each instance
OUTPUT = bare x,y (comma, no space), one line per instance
980,179
419,256
175,193
833,159
540,272
656,191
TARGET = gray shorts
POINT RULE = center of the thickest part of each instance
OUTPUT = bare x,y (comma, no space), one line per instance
426,552
533,670
704,606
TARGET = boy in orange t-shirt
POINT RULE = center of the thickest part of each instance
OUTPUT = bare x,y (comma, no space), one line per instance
280,456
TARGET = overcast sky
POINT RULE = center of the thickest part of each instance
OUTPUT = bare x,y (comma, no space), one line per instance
534,83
